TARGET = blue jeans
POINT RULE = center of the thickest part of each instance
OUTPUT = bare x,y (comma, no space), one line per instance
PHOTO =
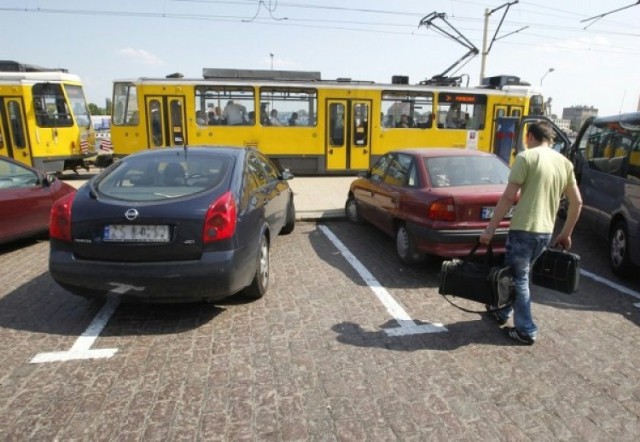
522,249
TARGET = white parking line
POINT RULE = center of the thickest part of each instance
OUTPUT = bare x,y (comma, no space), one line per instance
620,288
81,349
406,325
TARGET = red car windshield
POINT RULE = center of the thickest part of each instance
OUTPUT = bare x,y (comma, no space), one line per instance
466,171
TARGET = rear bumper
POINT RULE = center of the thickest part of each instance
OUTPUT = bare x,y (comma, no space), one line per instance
454,243
214,276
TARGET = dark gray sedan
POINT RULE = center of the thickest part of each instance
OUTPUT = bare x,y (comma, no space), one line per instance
173,225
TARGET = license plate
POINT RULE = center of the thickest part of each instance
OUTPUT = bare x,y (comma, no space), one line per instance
487,212
135,233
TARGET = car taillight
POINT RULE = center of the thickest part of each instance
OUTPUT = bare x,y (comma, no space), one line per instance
220,222
60,220
442,210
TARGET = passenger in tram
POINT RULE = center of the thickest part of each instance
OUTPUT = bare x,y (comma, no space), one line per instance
293,121
404,121
215,117
201,118
233,113
274,118
454,118
251,118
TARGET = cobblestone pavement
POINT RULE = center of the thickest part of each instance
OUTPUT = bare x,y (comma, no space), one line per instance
312,361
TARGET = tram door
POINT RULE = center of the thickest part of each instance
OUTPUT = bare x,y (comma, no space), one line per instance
500,112
13,131
348,134
166,121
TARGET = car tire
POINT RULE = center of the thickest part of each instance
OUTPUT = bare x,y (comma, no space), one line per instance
406,247
351,211
619,253
290,223
260,283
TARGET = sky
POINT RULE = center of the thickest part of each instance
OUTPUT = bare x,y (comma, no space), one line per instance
578,60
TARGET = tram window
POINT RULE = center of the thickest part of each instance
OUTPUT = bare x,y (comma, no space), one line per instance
78,105
225,105
17,124
294,107
50,106
461,111
156,122
336,125
125,110
407,109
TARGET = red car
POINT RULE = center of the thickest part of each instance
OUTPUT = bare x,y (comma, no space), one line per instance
433,201
26,197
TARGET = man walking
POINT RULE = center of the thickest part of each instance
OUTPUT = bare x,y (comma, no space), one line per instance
542,176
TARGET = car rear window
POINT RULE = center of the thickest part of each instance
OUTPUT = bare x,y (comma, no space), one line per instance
466,171
146,178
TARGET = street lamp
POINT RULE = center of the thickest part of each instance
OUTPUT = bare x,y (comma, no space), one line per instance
271,54
545,74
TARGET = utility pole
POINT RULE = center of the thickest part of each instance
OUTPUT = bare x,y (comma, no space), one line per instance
485,50
483,58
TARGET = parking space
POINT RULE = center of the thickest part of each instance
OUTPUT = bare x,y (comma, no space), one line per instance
317,358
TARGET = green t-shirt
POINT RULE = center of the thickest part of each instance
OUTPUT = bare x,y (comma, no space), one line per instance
543,175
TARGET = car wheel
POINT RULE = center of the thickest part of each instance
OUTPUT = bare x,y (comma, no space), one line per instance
619,250
290,224
351,210
260,282
406,247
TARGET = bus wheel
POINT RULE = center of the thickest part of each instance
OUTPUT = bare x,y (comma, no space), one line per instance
619,250
406,247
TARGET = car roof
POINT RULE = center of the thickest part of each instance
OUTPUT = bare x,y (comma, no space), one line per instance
442,152
200,149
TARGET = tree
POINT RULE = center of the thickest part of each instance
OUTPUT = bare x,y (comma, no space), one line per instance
95,110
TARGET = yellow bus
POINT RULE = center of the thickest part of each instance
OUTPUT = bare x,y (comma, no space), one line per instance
44,118
310,125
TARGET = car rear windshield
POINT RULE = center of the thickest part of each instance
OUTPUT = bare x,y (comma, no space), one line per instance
466,171
154,178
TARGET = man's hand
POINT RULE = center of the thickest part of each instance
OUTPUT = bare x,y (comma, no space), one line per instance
486,237
563,241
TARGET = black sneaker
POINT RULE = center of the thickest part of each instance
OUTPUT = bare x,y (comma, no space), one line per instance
492,311
514,334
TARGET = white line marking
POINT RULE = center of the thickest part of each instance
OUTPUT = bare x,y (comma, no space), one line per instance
81,349
407,326
611,284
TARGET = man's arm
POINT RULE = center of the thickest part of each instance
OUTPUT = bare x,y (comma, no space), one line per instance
575,206
506,201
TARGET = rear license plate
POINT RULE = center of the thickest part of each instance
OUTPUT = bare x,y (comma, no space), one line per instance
135,233
487,212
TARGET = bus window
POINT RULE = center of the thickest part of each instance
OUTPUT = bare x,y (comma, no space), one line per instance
407,109
461,111
50,106
17,124
125,110
78,105
336,112
286,102
229,105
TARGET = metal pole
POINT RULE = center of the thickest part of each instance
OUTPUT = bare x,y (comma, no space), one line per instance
271,54
484,44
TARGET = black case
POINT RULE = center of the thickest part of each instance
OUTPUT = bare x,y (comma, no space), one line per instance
557,270
478,281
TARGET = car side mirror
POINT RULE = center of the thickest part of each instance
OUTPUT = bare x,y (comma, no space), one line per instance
48,179
286,175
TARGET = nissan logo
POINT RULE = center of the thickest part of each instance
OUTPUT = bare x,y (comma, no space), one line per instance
131,214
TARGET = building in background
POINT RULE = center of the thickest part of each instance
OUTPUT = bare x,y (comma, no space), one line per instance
577,115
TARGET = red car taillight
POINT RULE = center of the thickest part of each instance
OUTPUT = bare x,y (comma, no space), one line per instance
220,222
60,221
442,210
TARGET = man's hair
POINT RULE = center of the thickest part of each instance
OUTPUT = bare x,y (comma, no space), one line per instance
541,131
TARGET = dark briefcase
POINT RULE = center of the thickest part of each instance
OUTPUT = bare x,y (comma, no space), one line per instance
557,270
478,281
